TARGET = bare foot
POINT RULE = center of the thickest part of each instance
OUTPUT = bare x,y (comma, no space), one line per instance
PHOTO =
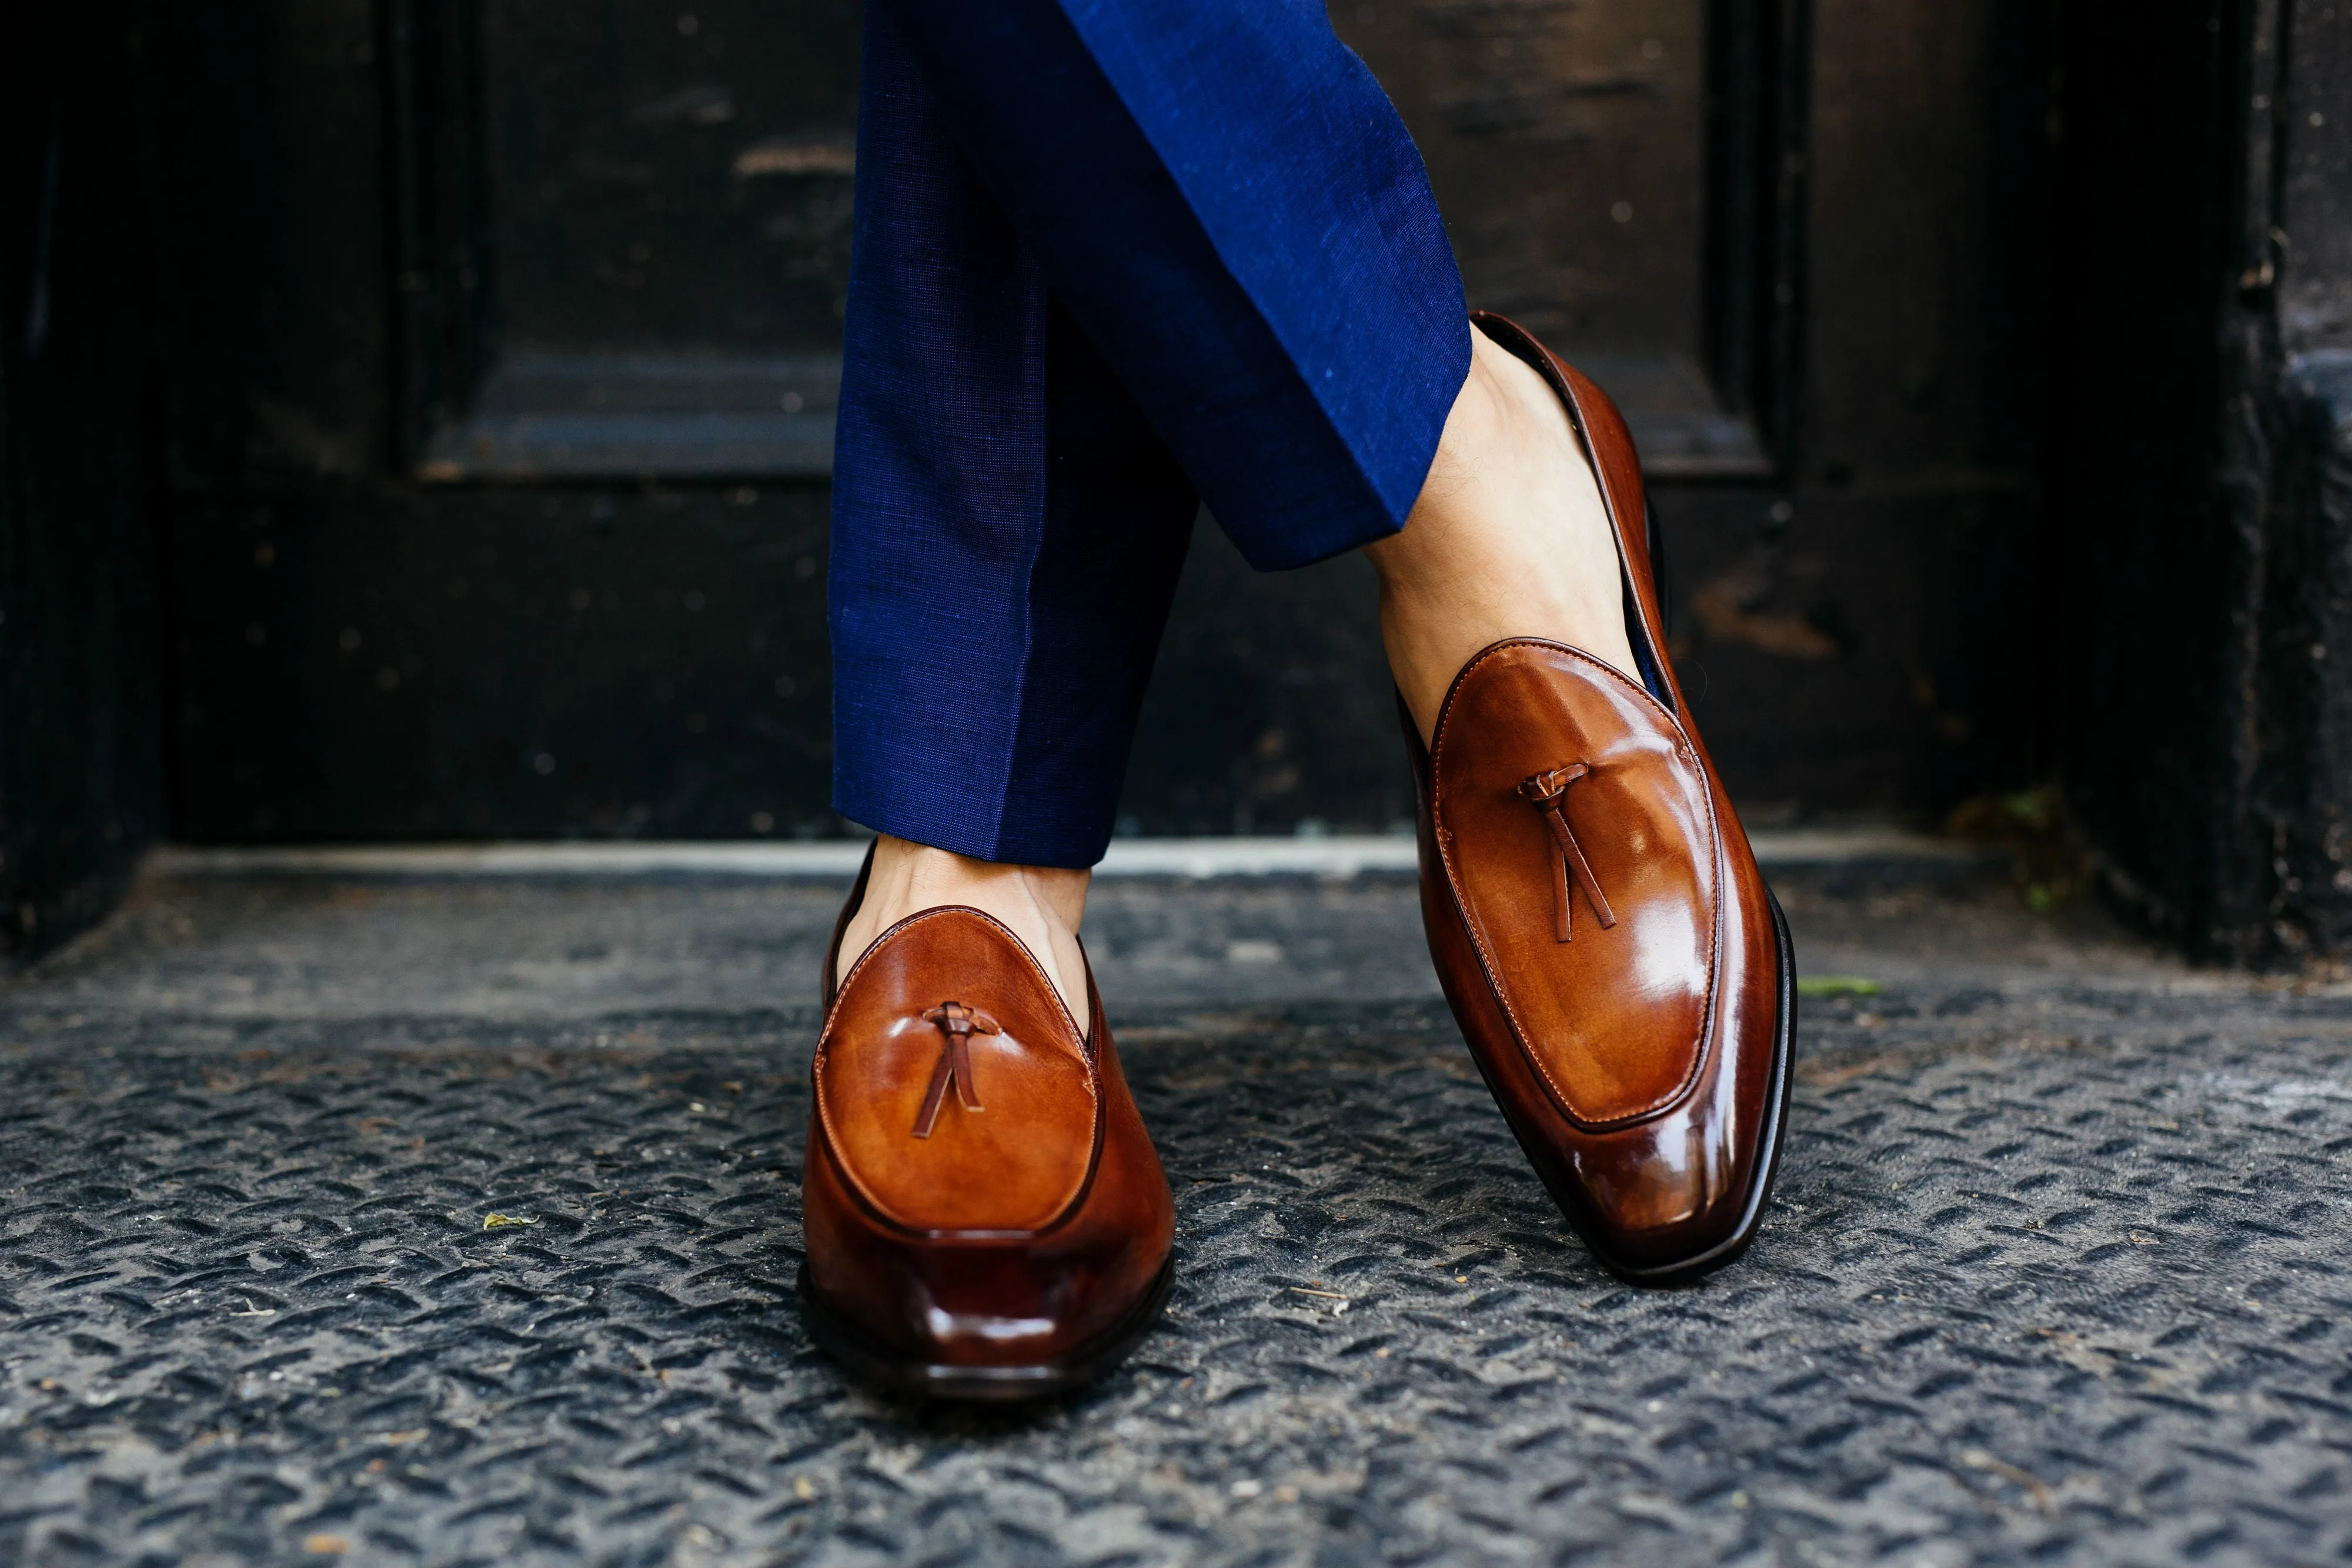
1040,904
1509,538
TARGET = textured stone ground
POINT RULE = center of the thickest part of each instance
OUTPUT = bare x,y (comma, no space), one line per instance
2056,1272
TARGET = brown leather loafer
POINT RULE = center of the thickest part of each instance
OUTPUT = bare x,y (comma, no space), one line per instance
984,1216
1621,973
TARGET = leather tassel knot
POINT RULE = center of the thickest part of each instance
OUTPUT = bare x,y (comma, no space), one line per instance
957,1024
1548,793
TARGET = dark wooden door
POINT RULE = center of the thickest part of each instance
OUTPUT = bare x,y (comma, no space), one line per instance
500,341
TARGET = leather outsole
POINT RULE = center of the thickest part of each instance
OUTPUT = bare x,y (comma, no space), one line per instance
892,1372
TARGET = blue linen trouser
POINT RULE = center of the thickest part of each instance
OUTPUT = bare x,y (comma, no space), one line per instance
1112,259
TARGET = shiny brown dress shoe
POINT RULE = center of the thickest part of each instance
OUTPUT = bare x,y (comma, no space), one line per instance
984,1216
1621,973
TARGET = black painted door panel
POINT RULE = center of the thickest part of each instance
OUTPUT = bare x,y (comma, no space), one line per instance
499,341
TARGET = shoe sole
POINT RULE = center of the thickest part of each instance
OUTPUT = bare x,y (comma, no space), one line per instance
1768,1147
872,1364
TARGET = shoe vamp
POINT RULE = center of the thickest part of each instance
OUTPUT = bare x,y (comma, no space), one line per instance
1013,1164
1614,1018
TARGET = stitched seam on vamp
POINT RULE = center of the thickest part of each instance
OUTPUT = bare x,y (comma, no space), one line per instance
824,1117
1707,1041
825,1114
1018,946
1706,1020
1562,378
1476,925
1471,921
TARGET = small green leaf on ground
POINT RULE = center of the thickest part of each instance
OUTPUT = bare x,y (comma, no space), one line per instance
1836,986
500,1222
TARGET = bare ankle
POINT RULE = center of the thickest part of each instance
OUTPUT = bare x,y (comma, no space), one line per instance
1509,537
1042,906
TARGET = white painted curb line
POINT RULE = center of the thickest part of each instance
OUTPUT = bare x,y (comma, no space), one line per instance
1330,857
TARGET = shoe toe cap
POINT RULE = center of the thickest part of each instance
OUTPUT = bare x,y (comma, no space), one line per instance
973,1303
1661,1195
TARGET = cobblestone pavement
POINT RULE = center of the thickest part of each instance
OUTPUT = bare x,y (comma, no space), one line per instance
2056,1272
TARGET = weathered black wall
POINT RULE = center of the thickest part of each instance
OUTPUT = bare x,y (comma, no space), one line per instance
2305,878
2308,641
80,611
2202,551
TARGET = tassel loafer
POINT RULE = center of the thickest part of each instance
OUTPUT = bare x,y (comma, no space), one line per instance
1621,972
983,1215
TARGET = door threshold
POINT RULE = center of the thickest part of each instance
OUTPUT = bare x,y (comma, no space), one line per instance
1336,855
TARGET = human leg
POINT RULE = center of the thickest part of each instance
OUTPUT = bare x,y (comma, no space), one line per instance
1233,211
1155,155
1233,216
1507,539
1008,529
1296,337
